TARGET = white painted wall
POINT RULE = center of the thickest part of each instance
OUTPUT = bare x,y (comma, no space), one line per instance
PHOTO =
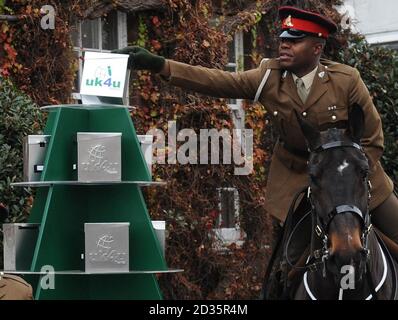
376,19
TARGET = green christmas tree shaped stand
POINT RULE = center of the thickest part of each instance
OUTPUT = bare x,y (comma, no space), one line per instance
62,209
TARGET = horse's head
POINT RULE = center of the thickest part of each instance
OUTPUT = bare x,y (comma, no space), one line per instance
338,173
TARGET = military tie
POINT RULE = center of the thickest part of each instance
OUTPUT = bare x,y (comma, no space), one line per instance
302,92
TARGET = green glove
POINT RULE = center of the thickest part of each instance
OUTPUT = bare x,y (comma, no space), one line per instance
141,58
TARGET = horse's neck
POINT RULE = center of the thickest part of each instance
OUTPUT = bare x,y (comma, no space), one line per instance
321,288
382,268
376,263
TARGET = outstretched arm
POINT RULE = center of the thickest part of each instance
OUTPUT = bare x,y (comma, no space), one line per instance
212,82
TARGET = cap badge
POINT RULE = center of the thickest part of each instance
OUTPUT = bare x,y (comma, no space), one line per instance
321,74
288,21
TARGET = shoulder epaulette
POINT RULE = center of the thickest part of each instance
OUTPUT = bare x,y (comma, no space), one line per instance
333,66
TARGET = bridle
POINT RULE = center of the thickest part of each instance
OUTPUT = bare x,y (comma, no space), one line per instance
321,226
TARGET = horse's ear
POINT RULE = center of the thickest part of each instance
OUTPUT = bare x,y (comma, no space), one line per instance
311,134
356,123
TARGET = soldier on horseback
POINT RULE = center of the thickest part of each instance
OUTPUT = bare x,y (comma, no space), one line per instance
321,91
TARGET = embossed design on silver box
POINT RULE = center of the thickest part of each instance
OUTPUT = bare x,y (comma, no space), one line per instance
97,160
107,247
106,253
99,156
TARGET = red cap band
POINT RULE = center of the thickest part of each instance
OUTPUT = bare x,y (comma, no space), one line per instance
304,25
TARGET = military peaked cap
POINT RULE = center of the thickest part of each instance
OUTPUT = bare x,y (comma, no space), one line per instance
298,23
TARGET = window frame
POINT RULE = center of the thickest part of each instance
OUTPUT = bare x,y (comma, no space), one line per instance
233,234
238,65
121,18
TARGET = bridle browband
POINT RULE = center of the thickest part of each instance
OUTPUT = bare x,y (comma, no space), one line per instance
336,144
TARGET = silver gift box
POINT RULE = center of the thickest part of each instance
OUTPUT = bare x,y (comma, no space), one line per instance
160,230
106,247
19,242
34,154
99,156
146,142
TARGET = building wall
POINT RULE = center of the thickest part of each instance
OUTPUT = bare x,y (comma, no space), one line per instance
376,19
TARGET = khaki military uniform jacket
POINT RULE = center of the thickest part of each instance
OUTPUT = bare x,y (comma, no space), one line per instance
336,87
14,288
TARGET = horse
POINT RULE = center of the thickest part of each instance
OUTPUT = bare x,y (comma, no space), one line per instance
346,258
